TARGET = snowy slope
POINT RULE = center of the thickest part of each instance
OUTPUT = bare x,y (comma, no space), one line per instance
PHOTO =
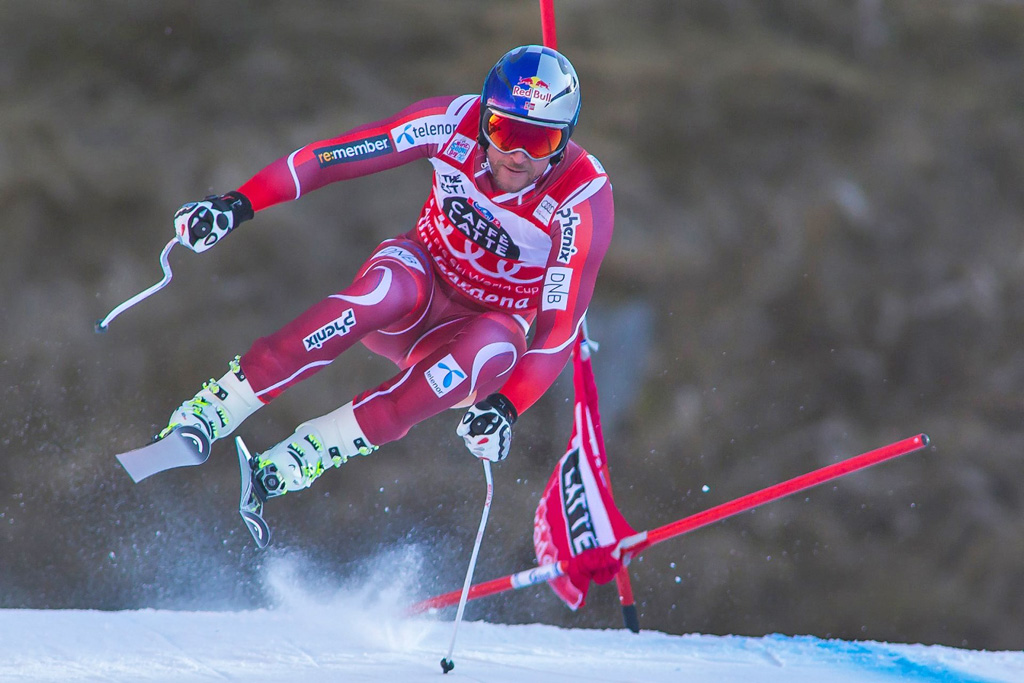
330,643
364,637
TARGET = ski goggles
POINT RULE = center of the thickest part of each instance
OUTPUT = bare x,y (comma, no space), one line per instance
538,141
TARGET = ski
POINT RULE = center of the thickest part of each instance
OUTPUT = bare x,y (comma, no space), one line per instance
250,503
185,446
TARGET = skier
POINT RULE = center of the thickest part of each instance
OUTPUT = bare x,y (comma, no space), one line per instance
516,225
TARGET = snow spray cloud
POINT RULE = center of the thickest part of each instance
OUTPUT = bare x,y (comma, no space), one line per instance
364,605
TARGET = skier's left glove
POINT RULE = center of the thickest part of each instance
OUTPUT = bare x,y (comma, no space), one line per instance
487,428
200,225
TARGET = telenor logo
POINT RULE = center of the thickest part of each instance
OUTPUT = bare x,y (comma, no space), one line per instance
422,131
444,375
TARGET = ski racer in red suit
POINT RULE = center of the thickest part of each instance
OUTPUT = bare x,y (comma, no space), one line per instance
511,236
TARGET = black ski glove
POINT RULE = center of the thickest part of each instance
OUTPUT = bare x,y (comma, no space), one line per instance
200,225
487,428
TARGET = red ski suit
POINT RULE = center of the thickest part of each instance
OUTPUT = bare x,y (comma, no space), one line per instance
451,302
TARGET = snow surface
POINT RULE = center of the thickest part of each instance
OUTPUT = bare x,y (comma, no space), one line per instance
364,635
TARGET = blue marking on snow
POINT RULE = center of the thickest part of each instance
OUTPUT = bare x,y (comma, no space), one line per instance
880,658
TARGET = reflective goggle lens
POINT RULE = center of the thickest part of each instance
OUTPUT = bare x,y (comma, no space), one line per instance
510,135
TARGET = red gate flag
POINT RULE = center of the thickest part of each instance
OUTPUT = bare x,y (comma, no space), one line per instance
576,510
636,544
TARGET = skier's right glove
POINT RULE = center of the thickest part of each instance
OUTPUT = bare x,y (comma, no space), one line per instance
487,428
200,225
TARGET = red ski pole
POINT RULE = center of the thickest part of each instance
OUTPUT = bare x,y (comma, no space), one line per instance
547,23
636,544
633,545
528,577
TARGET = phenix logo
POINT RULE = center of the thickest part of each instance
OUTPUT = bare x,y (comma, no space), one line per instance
336,328
533,89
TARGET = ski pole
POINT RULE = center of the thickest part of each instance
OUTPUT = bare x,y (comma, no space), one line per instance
637,543
633,545
547,23
446,662
101,325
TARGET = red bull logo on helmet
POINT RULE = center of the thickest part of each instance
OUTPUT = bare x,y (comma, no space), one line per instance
532,88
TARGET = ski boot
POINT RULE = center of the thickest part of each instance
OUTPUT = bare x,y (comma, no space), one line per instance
295,463
317,445
219,407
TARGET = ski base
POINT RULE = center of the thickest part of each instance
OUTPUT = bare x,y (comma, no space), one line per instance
183,447
250,505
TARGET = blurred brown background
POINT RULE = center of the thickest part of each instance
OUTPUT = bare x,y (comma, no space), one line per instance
818,251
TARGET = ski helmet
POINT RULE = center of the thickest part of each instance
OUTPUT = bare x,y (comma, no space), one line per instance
534,85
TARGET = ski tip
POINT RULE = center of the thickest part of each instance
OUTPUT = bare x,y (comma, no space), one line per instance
100,328
136,474
183,447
